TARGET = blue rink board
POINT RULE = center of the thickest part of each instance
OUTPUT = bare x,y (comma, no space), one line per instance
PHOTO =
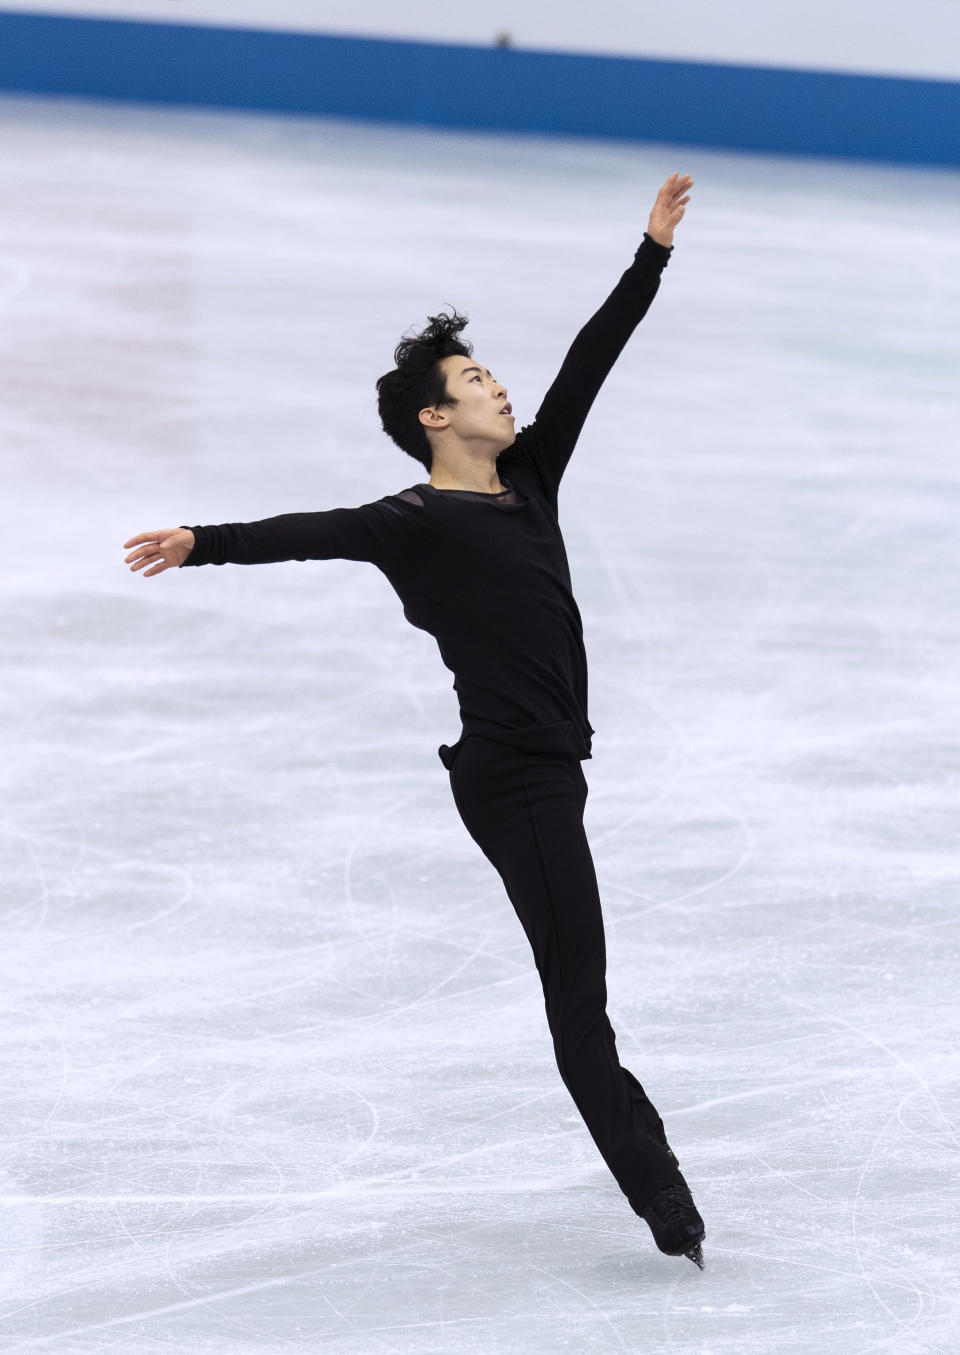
510,90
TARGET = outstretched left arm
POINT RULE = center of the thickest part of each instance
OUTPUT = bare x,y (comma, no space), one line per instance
549,441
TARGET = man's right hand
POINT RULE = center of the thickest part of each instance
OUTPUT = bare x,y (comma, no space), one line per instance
164,549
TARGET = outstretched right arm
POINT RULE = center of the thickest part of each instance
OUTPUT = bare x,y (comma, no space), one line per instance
374,532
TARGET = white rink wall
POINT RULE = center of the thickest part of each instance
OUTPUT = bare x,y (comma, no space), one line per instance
880,38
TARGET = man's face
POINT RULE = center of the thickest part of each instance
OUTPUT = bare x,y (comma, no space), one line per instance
482,411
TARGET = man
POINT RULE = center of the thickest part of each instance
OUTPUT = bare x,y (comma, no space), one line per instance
477,558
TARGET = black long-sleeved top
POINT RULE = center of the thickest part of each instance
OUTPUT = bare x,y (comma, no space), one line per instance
485,574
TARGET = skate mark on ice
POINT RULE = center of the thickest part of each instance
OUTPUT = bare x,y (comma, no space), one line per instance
164,1310
790,1179
374,1130
139,868
370,1020
803,580
558,1279
678,899
830,1017
437,1136
915,1133
770,1089
428,997
66,1068
29,841
921,1293
680,748
798,1263
352,1326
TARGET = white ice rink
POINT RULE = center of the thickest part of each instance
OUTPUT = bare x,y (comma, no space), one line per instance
276,1075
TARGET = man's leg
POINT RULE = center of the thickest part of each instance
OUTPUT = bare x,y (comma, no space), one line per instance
525,812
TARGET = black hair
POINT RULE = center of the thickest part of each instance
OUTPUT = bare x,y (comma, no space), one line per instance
417,382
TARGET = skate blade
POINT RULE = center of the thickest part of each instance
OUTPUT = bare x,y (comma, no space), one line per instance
696,1256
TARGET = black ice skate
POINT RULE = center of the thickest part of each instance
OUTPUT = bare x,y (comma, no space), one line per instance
675,1223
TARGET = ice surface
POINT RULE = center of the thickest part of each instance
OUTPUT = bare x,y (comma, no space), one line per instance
276,1072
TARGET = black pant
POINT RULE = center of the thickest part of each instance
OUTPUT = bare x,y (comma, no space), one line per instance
525,811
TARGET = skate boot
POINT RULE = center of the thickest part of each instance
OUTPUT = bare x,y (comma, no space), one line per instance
675,1223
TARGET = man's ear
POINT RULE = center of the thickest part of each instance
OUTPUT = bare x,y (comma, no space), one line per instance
431,417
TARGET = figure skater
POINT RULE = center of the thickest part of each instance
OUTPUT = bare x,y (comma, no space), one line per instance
477,558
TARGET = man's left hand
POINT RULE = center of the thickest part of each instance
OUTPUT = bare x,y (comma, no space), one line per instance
669,208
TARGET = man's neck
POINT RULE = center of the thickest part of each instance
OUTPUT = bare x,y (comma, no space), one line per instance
443,482
466,466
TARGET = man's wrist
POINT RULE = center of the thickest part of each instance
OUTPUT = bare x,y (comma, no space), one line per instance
193,555
658,243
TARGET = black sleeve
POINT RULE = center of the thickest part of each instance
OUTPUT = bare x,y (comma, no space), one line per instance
549,441
377,532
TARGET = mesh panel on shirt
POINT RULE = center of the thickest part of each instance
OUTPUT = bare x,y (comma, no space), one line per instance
508,496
